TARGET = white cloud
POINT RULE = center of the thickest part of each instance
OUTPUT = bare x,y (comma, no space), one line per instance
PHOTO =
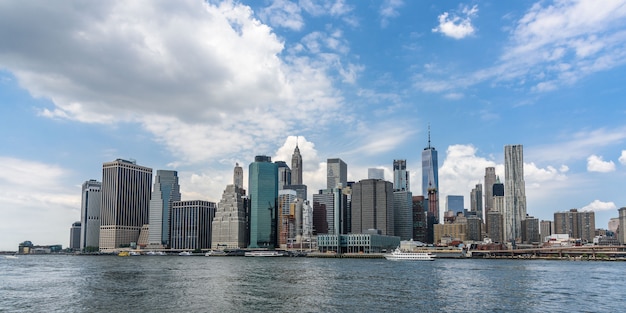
35,204
598,205
325,7
389,10
597,164
455,26
283,13
622,158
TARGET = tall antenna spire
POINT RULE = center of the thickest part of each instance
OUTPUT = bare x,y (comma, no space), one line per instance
428,135
297,141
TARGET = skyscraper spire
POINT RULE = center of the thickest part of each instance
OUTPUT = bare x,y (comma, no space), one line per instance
429,135
296,166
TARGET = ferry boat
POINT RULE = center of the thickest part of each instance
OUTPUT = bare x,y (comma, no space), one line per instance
185,253
123,253
399,255
215,253
264,253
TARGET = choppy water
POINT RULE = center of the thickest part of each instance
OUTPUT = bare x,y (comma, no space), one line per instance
237,284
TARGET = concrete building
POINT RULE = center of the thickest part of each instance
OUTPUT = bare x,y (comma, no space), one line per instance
284,174
125,203
330,212
613,224
476,200
263,194
191,224
495,226
228,228
455,203
474,228
456,231
401,177
578,225
166,190
372,206
546,228
514,192
357,243
420,225
375,173
91,200
403,214
296,167
337,173
530,230
75,236
490,180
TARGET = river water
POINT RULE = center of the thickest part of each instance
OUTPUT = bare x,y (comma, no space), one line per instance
58,283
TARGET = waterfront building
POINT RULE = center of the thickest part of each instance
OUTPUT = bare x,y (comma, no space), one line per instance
166,190
474,228
430,177
375,173
514,192
420,226
125,203
337,173
191,224
296,167
456,231
75,236
228,228
91,199
284,174
546,228
403,214
401,180
578,225
495,226
454,204
490,180
530,230
263,194
622,224
372,206
476,203
370,242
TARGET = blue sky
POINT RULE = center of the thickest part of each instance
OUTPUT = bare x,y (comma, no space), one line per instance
198,86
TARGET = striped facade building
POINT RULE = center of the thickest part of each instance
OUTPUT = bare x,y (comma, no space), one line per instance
191,224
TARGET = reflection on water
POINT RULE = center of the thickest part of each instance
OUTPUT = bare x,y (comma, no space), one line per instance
237,284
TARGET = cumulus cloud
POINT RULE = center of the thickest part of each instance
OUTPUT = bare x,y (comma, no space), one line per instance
597,164
196,74
598,205
283,13
457,26
389,10
622,158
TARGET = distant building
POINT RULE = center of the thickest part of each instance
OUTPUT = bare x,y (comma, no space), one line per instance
622,224
284,174
91,200
263,194
476,200
420,227
166,190
495,226
330,212
454,203
530,230
546,228
337,173
75,236
296,167
490,180
401,179
403,214
228,228
125,203
301,190
514,191
286,216
456,231
430,180
474,228
375,173
191,224
372,206
357,243
613,224
578,225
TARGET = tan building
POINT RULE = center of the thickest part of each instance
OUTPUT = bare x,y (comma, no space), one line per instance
578,225
454,230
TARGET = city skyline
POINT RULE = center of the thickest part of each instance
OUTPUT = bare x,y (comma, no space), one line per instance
349,80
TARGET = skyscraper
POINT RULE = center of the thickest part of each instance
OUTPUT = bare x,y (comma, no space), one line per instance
90,214
430,178
191,224
337,173
125,203
490,179
476,197
400,176
375,173
514,192
75,236
372,206
263,185
455,204
228,228
238,176
578,225
403,214
296,167
622,224
284,174
166,190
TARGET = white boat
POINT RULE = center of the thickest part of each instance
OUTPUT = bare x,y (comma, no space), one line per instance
263,253
185,253
399,255
215,253
10,256
134,253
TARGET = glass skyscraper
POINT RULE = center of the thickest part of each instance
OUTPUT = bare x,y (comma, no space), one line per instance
166,190
263,185
430,178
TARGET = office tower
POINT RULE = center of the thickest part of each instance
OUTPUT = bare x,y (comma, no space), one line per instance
498,196
301,190
75,236
191,224
90,214
284,174
125,203
286,216
375,173
296,167
474,228
490,179
530,230
514,191
263,185
420,226
578,225
400,176
228,228
454,204
307,221
403,214
372,206
495,226
546,228
622,224
430,169
330,212
476,196
166,190
337,173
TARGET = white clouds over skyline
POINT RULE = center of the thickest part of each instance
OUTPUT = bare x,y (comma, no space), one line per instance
598,206
457,26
